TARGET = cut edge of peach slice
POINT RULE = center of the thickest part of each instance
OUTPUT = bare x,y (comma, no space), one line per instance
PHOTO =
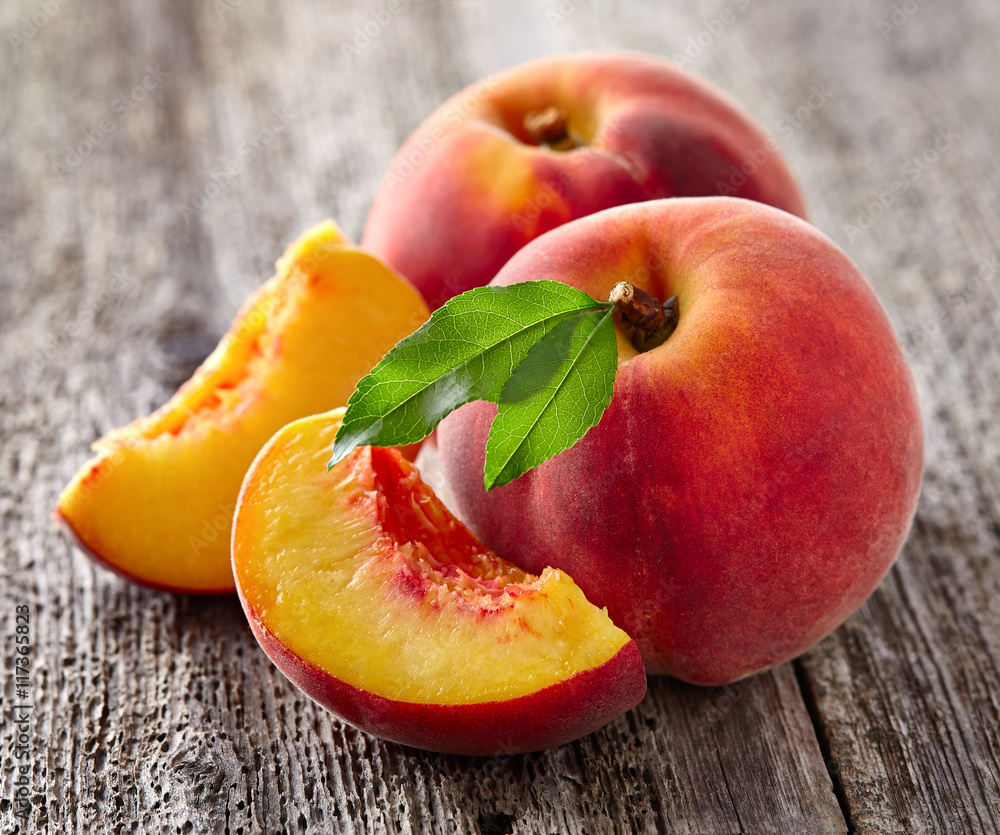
155,503
222,385
379,604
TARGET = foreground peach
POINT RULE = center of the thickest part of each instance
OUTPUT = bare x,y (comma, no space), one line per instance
373,599
156,503
753,477
525,151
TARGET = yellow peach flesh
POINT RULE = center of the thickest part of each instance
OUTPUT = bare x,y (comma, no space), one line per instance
157,501
363,573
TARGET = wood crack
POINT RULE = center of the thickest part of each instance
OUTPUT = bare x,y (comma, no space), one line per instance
816,717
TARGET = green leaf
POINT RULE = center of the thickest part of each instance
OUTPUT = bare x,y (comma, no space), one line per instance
466,351
558,392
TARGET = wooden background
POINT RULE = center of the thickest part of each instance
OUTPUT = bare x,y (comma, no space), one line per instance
155,713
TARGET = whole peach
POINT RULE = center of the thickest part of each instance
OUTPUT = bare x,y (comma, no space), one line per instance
523,152
753,477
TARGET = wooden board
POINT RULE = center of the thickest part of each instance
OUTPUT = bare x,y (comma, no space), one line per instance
126,253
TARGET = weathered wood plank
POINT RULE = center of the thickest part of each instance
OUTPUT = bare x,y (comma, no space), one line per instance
907,694
159,713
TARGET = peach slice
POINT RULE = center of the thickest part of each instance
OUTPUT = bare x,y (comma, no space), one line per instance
379,604
156,503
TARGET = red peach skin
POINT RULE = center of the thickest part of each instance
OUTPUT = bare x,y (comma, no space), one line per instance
471,186
543,719
753,477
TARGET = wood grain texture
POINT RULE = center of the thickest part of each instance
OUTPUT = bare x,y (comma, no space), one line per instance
125,259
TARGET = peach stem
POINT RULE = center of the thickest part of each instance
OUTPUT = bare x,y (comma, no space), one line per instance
649,321
548,127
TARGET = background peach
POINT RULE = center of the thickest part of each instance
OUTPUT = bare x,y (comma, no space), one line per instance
472,185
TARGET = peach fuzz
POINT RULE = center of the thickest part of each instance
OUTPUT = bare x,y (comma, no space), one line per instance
754,476
156,502
377,603
552,140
